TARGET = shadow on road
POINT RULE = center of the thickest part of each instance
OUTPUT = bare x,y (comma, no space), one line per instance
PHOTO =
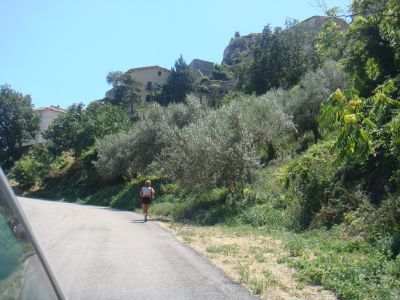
137,221
162,219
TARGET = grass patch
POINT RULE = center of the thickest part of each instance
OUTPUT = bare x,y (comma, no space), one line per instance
244,273
257,286
226,250
256,282
351,268
269,278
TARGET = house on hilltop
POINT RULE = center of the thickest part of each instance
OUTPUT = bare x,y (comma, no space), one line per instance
315,23
149,78
152,78
46,116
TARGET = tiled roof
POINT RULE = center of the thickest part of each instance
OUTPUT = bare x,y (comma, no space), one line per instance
147,68
54,108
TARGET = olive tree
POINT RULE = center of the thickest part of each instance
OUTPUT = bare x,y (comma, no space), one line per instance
128,154
177,114
266,119
217,150
304,100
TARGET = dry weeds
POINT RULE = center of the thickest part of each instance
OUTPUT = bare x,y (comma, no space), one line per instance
249,259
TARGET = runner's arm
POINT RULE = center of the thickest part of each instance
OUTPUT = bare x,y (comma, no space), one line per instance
141,193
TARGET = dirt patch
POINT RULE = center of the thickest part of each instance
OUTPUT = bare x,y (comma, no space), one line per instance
252,260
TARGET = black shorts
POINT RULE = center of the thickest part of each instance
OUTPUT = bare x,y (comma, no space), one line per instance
146,200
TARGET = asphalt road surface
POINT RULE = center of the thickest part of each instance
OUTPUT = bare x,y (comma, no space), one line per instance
101,253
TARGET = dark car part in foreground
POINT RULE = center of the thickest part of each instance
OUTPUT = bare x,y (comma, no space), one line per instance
24,270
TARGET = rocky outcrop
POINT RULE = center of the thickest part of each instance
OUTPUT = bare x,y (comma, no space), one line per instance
239,48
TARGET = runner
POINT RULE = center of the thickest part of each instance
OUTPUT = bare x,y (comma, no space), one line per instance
146,194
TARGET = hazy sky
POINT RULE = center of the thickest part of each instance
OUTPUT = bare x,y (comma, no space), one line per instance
60,52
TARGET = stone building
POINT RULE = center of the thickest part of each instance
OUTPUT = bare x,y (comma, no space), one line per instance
149,79
201,68
46,115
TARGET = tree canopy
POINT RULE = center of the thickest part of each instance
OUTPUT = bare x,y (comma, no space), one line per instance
126,92
222,72
373,51
18,123
79,128
281,57
180,82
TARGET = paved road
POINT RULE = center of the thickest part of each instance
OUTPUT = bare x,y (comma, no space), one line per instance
100,253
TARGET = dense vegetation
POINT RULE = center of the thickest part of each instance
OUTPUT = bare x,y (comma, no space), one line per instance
310,150
18,124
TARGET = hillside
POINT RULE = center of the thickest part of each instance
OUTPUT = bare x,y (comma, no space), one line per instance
304,152
241,47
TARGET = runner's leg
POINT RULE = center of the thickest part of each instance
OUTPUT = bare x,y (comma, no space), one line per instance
145,209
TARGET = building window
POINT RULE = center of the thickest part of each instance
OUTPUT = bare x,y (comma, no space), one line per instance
148,98
159,73
148,87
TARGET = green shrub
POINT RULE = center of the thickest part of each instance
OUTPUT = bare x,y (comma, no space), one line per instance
378,225
128,197
251,197
171,188
349,267
351,276
32,167
68,179
202,208
27,172
190,205
207,208
39,165
308,178
263,215
102,196
218,214
165,209
339,200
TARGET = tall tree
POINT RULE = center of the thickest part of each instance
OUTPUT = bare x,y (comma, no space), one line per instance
281,57
373,52
180,82
79,128
126,91
222,72
18,123
63,132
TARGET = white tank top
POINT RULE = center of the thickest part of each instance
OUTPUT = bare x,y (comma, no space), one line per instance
146,191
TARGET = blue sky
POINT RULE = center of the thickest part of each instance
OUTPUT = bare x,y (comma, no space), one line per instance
60,52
